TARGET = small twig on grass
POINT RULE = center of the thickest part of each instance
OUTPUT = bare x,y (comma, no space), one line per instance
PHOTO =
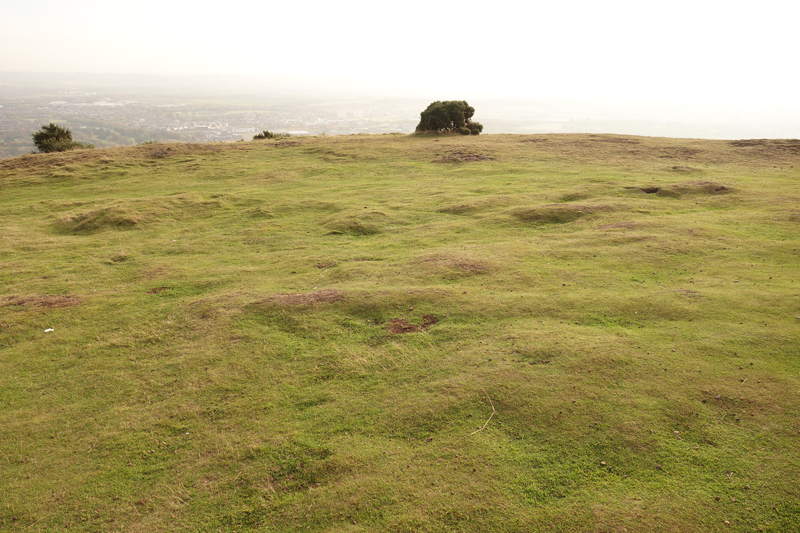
30,526
742,383
490,416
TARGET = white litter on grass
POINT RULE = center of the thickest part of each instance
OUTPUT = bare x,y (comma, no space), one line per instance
48,330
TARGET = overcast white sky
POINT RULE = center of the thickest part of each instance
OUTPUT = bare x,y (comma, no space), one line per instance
695,50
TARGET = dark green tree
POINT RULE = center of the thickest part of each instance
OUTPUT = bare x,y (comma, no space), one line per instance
54,138
449,116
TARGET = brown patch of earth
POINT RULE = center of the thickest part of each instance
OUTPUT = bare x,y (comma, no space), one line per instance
687,293
157,290
51,301
306,298
401,325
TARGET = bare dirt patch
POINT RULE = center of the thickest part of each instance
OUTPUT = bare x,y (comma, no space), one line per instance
401,325
681,168
688,187
158,290
42,301
305,298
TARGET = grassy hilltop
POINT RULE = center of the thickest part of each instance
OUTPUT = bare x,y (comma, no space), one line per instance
402,333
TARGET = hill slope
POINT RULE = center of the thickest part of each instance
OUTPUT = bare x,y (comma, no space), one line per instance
392,333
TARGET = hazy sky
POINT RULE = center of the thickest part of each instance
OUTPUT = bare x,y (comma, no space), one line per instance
697,50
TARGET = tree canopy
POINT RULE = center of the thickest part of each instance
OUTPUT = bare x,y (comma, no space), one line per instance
449,116
54,138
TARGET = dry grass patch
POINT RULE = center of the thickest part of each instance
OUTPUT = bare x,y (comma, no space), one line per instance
42,301
133,212
398,326
451,263
556,213
356,223
305,298
461,156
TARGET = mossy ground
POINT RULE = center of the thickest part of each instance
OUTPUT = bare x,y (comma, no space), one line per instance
311,334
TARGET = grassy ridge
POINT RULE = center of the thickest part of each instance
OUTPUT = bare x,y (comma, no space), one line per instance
311,334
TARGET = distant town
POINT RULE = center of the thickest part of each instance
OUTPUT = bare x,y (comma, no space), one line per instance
107,120
123,110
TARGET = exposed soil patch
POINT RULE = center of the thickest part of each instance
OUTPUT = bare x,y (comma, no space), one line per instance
464,156
401,325
687,293
305,298
51,301
326,264
158,290
286,143
681,168
688,187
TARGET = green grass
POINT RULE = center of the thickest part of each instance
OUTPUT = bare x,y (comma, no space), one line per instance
223,355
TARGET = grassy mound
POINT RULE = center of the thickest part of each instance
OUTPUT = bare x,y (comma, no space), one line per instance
402,333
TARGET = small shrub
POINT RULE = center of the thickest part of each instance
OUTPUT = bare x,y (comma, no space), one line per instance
269,135
54,138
